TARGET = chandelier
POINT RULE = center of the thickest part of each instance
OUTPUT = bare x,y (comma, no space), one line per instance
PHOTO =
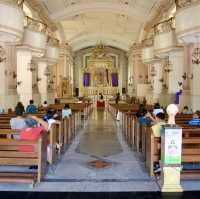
153,72
196,53
2,54
168,66
196,56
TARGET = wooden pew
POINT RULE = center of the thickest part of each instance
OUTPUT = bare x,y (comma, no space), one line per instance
10,155
190,149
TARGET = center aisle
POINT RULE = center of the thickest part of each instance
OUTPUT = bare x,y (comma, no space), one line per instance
101,141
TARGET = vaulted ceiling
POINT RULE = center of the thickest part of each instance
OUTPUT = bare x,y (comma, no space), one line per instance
84,23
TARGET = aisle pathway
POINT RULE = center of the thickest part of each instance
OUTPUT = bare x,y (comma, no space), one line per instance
101,139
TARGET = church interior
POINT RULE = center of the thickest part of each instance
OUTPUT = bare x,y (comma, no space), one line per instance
100,95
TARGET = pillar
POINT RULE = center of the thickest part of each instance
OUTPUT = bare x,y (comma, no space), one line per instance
3,85
42,83
156,83
24,75
195,87
176,60
130,74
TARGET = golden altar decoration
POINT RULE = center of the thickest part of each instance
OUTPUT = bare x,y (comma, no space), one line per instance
100,65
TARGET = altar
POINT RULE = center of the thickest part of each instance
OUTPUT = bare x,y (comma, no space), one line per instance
100,74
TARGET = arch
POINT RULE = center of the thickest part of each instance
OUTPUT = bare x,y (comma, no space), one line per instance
87,40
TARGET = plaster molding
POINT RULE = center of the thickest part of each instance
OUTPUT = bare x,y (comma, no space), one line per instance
157,11
42,12
80,8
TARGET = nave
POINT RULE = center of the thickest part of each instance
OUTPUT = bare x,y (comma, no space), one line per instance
100,139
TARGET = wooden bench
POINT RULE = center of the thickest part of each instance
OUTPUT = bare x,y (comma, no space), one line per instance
190,149
11,156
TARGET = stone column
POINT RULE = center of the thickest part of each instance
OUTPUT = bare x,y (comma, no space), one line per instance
42,83
195,87
176,61
3,84
24,75
156,83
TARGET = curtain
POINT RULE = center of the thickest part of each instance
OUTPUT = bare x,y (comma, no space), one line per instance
114,79
86,79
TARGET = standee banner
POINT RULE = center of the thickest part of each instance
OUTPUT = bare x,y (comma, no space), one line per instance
171,146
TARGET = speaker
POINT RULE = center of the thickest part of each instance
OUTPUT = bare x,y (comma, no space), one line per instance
123,90
77,92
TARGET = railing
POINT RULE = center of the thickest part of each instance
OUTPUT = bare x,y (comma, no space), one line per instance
185,3
148,42
15,2
35,25
164,26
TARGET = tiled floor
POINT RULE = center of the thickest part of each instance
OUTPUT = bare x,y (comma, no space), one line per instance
100,139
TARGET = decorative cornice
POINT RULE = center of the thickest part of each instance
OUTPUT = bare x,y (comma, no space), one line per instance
42,12
157,11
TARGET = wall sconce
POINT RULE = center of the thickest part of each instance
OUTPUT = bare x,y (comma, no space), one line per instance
184,76
161,80
47,73
191,76
31,67
130,80
14,75
19,83
196,53
38,79
165,86
168,67
2,54
153,72
51,82
34,85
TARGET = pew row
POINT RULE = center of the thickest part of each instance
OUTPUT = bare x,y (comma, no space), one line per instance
10,155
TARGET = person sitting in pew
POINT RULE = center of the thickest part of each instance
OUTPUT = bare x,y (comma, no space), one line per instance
18,121
32,131
158,126
50,117
143,118
186,110
195,119
157,109
66,112
31,108
19,108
